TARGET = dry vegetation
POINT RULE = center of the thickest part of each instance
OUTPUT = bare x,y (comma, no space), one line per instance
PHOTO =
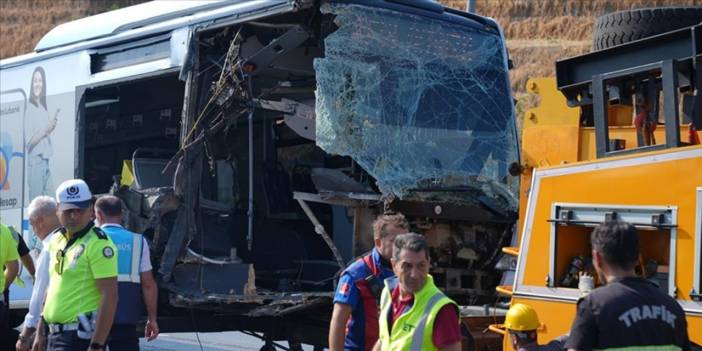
538,31
24,22
541,31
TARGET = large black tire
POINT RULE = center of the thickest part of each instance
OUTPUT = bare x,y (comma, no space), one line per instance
625,26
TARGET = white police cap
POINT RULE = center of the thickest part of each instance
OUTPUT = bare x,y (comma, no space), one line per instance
73,193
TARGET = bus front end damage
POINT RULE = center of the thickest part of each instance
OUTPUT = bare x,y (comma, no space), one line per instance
299,128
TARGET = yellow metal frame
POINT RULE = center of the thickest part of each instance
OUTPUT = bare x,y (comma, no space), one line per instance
560,166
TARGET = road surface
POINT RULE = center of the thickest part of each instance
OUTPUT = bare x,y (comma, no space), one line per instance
225,341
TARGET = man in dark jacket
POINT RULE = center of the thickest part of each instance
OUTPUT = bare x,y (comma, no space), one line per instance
628,312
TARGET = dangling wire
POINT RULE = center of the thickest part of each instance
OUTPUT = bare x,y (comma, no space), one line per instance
231,66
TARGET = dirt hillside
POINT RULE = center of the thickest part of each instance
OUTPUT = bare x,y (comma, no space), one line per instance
538,31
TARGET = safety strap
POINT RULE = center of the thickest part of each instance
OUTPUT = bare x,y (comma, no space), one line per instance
374,282
418,337
368,260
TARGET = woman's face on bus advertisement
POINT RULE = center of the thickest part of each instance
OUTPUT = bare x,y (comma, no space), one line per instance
37,84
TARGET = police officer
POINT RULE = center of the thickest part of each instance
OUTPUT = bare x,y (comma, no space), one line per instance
522,324
8,259
354,322
628,312
135,279
82,296
414,313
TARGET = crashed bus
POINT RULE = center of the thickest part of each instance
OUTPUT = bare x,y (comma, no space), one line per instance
254,142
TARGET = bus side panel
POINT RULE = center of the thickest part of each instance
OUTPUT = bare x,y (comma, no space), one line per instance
37,135
13,105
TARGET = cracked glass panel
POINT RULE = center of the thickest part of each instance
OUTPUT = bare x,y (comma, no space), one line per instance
421,104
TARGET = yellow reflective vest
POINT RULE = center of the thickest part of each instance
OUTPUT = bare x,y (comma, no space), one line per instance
73,271
412,331
8,252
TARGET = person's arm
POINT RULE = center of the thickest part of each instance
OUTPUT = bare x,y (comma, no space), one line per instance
446,334
23,342
23,252
103,264
36,138
337,326
347,295
28,263
583,331
376,347
150,291
24,339
561,340
11,269
40,339
682,340
38,294
106,310
42,133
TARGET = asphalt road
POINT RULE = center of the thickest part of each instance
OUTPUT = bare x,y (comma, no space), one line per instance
224,341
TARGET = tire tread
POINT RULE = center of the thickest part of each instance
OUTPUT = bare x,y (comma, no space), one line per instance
625,26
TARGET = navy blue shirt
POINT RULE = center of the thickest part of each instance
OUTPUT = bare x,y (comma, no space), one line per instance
348,292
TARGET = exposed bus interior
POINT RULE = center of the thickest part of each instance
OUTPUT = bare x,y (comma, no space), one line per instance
126,121
279,245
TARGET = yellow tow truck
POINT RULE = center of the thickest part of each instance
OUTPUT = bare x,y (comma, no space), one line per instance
614,136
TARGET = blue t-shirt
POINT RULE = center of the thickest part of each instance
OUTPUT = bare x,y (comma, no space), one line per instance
347,292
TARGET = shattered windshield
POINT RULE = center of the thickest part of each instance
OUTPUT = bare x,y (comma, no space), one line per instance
419,103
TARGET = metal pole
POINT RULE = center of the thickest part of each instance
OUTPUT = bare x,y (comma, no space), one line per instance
250,213
249,236
470,6
319,229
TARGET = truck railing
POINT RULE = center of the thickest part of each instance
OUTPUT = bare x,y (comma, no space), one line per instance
664,63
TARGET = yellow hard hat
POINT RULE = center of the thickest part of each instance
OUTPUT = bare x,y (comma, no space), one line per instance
521,317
